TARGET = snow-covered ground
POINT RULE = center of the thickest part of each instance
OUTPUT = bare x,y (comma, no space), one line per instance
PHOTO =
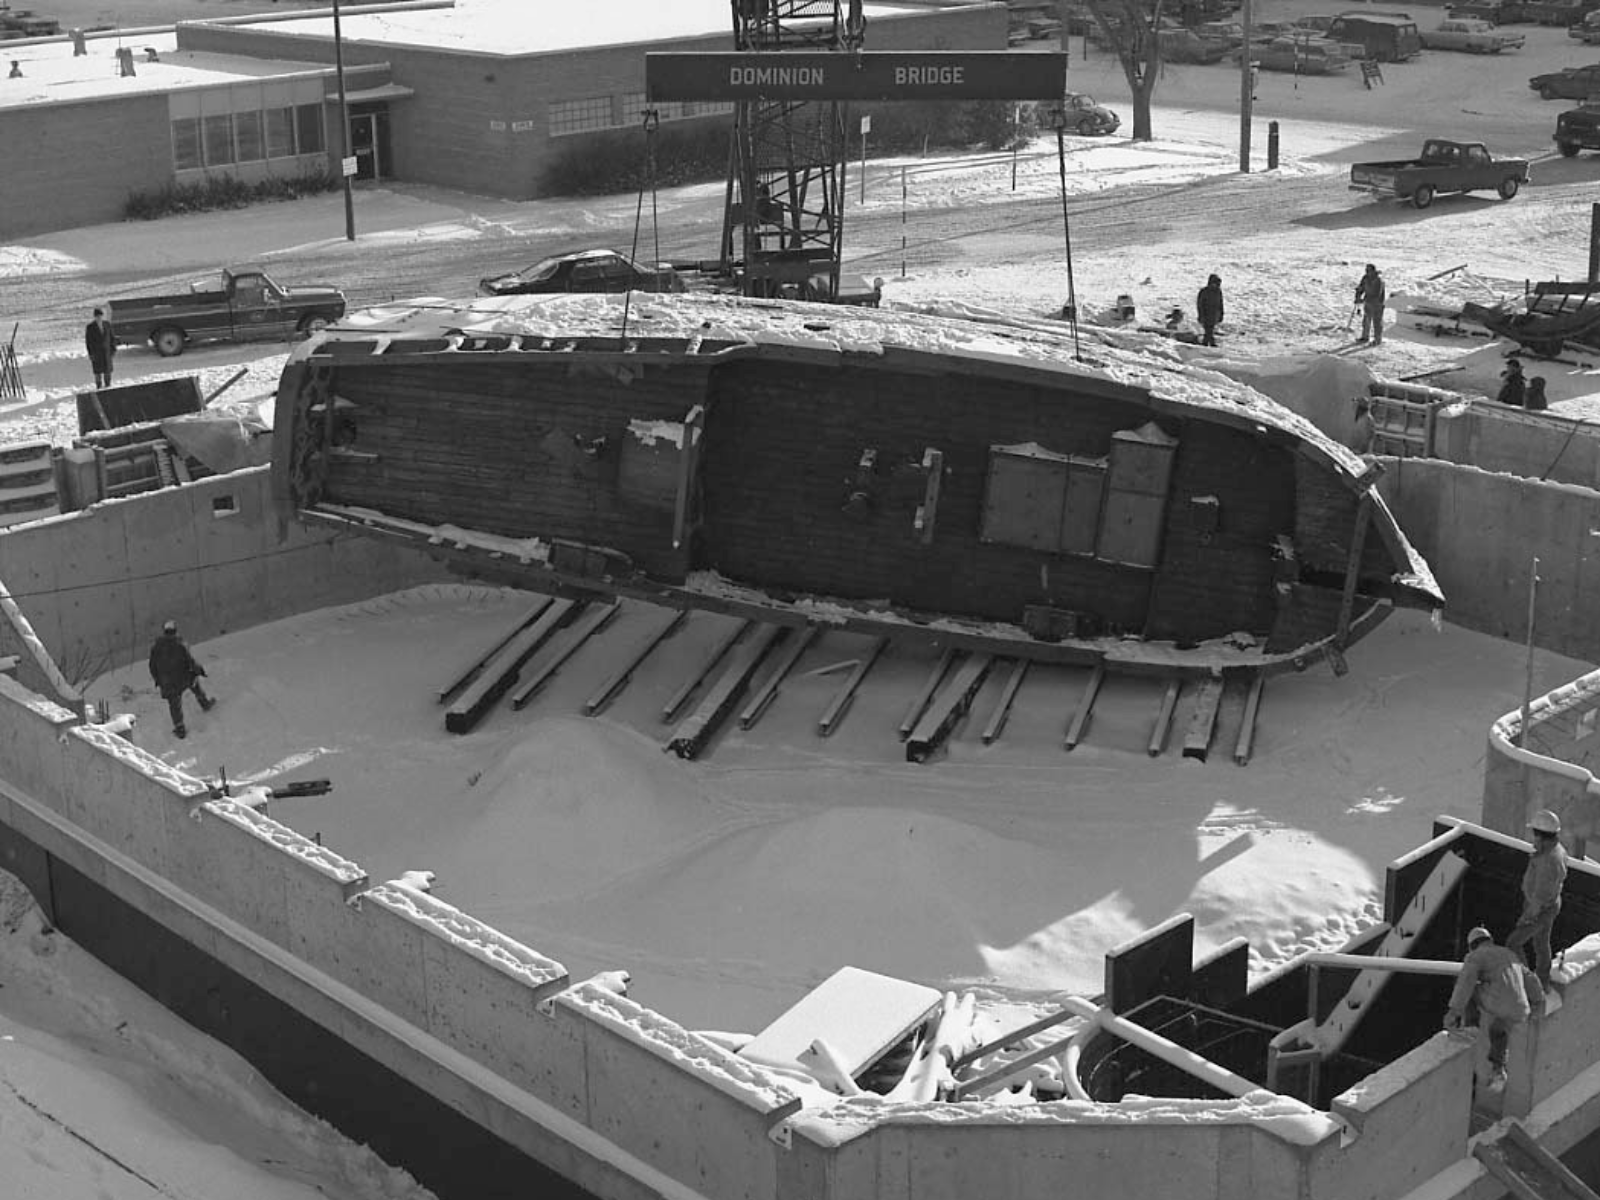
729,887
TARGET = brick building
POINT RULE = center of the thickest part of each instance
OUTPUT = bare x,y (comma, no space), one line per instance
480,95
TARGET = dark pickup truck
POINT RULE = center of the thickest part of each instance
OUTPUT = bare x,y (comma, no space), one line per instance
249,307
1578,129
1442,167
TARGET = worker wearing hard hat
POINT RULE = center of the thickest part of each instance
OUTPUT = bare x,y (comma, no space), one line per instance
1541,892
1497,983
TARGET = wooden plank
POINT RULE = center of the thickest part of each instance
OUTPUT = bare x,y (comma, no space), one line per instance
930,685
1015,1066
1048,1021
948,708
1169,705
688,458
483,656
718,649
860,1014
1002,708
768,691
840,704
698,728
1080,719
561,647
1203,724
500,672
618,681
1352,570
927,513
1247,727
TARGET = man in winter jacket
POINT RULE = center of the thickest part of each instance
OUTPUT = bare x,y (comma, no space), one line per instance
175,671
1541,893
1372,295
100,340
1495,981
1208,307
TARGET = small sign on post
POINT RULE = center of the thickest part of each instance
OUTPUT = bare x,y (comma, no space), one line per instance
866,128
349,166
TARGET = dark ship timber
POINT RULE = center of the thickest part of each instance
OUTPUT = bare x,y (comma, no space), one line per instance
908,474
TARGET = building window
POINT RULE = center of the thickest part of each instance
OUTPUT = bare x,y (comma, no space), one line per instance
308,124
186,144
280,132
576,116
218,134
247,136
630,108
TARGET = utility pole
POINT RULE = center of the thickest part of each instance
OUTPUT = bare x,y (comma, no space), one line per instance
1247,89
345,159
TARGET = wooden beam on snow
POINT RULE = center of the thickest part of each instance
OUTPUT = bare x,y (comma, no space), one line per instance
1203,724
930,685
1080,719
948,708
499,674
1002,708
718,649
478,660
1169,705
847,692
1247,728
698,728
562,647
768,691
619,680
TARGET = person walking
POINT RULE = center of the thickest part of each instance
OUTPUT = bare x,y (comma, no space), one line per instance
100,340
1371,295
1542,881
1512,384
1496,984
1208,307
174,671
1534,399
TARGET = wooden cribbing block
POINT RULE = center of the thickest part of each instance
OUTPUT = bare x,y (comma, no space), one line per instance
1080,719
841,702
697,729
768,691
720,648
1008,694
615,684
1197,742
560,648
948,708
499,674
1169,704
478,660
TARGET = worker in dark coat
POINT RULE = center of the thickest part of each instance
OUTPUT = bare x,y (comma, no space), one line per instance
1208,307
1372,295
174,672
100,340
1534,399
1497,983
1542,881
1513,385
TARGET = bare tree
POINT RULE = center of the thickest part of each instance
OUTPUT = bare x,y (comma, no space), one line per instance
1130,30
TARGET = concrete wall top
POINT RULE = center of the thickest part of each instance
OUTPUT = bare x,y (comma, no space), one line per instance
280,837
468,934
180,784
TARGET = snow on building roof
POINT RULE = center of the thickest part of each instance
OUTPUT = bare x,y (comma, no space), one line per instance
516,27
51,74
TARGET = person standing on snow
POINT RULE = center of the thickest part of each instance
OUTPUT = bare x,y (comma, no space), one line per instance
1495,981
1371,295
1541,893
1208,307
175,671
1513,384
100,340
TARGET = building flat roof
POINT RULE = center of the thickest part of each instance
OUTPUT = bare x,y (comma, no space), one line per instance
517,27
52,75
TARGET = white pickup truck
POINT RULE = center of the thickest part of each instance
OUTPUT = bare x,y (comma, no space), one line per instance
1470,36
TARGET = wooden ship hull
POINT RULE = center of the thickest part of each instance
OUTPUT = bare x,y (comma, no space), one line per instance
978,483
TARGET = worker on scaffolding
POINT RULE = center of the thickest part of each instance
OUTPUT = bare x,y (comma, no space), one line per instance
1497,988
1542,881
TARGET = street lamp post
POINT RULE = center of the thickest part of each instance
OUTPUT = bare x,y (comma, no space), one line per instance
344,129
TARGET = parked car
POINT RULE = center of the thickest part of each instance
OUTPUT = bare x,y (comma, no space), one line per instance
1083,115
1315,22
1186,46
1578,129
1496,12
1302,55
1385,36
248,307
1470,37
1570,83
1443,166
584,271
1555,12
1586,30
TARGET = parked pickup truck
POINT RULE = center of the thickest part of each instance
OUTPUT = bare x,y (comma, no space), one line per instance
1578,129
249,307
1470,37
1442,167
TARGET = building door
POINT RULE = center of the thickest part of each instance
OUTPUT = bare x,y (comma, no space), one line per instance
369,141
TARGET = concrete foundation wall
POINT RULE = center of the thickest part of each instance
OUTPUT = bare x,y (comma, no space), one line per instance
97,585
1480,533
1555,768
1493,437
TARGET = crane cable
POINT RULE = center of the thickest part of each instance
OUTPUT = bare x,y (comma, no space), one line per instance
1066,229
652,121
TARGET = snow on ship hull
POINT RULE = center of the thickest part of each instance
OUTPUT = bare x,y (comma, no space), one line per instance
910,474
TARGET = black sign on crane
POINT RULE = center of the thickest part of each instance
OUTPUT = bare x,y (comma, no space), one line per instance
898,75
